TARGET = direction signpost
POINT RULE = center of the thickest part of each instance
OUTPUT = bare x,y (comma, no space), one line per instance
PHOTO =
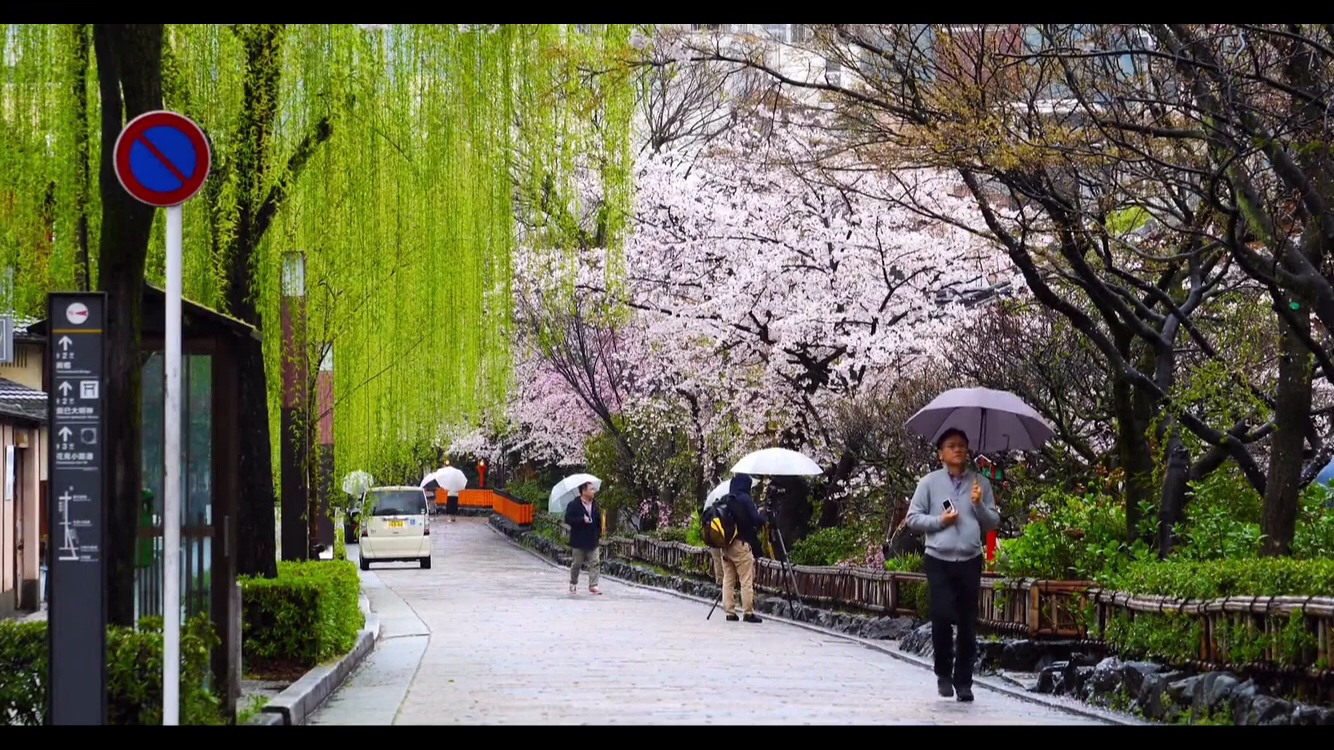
76,633
162,159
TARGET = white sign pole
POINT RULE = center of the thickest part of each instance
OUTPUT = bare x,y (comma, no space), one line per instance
171,479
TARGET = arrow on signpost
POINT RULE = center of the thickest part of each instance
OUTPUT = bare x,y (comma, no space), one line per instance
65,342
65,387
65,433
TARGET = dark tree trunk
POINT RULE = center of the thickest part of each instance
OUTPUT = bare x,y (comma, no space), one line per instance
1173,502
129,65
1133,451
258,556
1292,405
831,508
788,499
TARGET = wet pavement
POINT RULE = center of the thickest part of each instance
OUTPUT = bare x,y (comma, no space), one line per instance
490,635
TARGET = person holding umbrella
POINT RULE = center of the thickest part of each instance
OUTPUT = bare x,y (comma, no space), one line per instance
954,507
585,520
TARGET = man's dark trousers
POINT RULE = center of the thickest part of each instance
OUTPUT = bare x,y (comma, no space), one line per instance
953,588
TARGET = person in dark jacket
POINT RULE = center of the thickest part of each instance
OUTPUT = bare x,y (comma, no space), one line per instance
739,556
585,520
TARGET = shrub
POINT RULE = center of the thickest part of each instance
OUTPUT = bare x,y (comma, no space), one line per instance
910,592
1314,539
549,526
308,614
134,673
827,547
1078,538
1219,578
531,490
671,534
1179,637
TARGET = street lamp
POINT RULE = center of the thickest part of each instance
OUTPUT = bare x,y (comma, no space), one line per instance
294,274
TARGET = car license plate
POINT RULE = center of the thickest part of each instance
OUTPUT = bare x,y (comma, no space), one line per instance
395,524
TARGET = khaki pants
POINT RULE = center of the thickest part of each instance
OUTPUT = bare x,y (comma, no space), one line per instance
717,556
738,565
592,556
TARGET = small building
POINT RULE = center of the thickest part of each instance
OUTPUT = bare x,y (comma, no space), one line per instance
22,474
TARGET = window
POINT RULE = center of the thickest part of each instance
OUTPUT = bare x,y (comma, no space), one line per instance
396,502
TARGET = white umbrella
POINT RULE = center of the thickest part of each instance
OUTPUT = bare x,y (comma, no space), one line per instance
776,462
451,479
357,482
567,488
717,492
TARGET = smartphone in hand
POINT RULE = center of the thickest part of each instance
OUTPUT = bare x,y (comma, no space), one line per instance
949,505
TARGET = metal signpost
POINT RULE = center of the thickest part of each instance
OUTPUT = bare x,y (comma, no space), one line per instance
76,688
162,159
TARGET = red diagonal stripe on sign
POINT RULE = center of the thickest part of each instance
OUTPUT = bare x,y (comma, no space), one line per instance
162,158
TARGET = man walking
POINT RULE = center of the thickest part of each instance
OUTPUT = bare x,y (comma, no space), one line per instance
585,520
739,556
954,508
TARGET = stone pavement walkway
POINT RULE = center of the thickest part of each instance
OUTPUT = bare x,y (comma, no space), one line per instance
490,635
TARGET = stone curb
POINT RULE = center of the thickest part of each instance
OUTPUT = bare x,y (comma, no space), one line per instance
294,705
980,681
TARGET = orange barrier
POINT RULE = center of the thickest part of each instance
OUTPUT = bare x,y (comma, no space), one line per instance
476,498
467,498
516,511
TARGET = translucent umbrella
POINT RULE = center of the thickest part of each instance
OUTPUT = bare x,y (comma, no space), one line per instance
451,479
717,492
358,482
776,462
567,488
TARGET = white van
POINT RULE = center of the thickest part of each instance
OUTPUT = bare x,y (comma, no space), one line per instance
395,526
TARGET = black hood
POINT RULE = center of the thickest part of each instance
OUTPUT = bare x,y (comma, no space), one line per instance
740,485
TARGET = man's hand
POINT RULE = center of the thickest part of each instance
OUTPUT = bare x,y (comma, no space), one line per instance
949,517
977,491
587,518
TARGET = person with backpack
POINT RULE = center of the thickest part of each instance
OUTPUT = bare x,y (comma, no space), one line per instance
732,524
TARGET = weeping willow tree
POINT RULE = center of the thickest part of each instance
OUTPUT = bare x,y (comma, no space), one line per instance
394,159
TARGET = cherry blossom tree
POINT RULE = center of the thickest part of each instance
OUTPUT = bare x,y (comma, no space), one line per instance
756,297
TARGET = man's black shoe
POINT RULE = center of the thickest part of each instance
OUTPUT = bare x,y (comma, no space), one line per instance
944,687
753,618
966,694
732,618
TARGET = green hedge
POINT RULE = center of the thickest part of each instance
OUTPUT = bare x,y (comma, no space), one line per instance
827,547
308,614
134,673
1215,579
1178,637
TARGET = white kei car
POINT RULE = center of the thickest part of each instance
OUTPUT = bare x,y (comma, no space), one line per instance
395,526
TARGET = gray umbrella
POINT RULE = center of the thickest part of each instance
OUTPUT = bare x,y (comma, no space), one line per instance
992,420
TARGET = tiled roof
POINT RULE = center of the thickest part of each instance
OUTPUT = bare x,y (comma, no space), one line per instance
21,323
18,400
